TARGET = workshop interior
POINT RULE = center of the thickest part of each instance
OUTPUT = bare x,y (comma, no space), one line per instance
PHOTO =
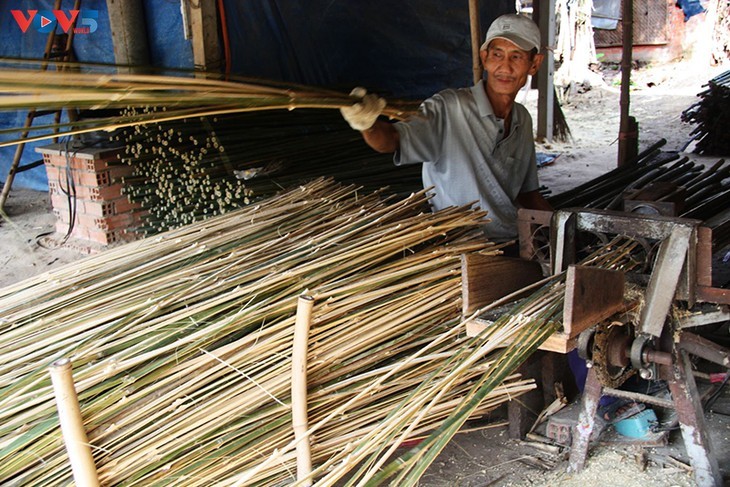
257,297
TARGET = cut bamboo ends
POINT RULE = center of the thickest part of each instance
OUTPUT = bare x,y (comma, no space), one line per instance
72,426
300,419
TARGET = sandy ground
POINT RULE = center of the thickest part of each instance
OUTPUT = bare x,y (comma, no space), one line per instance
485,457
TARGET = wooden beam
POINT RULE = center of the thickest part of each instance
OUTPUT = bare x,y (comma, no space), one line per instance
129,34
204,35
557,342
628,134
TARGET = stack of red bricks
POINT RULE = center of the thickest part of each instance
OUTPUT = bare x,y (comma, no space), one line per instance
85,185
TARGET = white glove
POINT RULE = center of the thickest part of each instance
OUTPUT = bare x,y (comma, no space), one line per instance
361,116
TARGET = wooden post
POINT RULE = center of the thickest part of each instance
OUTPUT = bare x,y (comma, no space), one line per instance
204,34
476,39
628,136
300,419
545,18
129,34
72,425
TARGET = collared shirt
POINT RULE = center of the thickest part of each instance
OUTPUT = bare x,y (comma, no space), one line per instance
465,157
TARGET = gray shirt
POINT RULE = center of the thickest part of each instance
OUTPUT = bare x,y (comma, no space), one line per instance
465,157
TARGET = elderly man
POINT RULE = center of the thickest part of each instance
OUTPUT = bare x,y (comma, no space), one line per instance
476,144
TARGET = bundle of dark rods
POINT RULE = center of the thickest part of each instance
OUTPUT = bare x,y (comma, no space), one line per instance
712,116
706,189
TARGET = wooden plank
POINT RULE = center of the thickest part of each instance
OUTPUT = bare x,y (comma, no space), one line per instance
557,342
486,278
704,256
591,296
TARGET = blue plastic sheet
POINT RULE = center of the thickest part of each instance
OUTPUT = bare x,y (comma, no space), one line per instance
404,49
690,8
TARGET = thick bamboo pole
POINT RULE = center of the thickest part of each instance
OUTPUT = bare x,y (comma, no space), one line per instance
72,425
300,419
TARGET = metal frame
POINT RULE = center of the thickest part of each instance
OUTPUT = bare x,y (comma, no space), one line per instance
673,277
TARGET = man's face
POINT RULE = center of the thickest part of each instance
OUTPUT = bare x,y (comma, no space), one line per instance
507,67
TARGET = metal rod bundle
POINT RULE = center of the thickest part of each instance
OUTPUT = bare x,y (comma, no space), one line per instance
712,116
704,190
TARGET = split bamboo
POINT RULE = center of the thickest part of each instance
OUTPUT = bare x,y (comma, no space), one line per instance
72,425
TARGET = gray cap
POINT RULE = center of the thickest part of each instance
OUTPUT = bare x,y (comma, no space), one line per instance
517,29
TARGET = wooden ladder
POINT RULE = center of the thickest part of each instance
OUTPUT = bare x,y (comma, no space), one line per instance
59,47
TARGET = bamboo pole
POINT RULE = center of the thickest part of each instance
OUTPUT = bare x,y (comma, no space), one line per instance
300,419
72,425
476,39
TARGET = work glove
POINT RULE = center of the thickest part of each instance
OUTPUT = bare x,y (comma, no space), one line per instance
362,115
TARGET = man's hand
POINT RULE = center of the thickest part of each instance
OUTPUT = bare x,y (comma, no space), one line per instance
362,115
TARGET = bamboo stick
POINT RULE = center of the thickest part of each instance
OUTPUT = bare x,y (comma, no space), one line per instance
72,425
300,420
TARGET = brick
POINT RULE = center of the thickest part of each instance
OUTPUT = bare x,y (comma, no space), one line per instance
111,237
110,192
118,172
92,222
110,207
103,237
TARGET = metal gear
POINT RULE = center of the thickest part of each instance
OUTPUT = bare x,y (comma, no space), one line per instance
610,360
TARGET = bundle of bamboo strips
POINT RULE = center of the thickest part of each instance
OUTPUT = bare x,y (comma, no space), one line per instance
177,98
196,149
181,344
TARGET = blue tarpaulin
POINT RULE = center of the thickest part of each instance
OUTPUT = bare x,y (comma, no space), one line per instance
402,49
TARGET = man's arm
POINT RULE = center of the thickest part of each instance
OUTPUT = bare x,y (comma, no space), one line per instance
533,200
363,117
382,137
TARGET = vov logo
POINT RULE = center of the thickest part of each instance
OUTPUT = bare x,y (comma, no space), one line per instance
45,21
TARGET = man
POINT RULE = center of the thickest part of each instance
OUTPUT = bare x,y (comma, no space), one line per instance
476,144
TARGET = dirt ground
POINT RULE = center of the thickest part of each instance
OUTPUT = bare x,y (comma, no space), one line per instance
487,457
